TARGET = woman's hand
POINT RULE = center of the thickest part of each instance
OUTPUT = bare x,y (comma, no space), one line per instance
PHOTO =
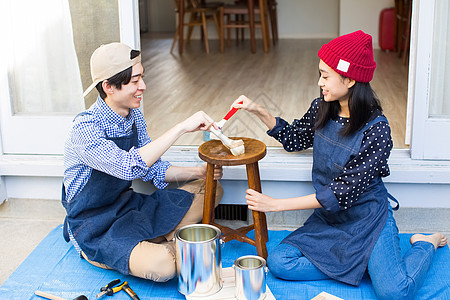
245,103
218,172
260,202
198,121
254,108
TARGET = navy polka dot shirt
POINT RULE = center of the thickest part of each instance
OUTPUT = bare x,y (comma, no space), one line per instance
371,161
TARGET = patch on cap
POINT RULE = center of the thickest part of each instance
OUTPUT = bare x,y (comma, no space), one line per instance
343,65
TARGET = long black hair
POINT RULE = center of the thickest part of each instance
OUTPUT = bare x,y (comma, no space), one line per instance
363,106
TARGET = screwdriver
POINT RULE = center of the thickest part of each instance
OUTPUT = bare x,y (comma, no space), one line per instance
129,291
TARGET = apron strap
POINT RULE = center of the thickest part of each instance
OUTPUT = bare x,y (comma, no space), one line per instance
66,230
395,200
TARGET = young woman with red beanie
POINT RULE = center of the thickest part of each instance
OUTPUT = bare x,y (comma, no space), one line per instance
352,230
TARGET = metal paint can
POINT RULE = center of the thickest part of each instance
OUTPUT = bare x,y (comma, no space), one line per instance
250,272
199,265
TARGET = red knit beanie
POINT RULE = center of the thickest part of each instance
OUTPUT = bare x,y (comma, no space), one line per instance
350,55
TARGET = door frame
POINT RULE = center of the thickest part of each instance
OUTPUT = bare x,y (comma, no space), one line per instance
427,133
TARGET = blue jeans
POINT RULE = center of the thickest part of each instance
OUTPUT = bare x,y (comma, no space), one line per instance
393,276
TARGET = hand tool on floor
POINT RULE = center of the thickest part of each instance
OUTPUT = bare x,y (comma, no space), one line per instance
236,146
227,117
110,289
129,291
53,297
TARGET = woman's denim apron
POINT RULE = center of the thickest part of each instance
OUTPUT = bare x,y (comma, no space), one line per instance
108,219
339,243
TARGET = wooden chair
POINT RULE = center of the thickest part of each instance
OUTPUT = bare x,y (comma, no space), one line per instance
199,15
402,25
273,16
237,16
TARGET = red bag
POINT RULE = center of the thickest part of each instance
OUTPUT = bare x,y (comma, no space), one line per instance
386,29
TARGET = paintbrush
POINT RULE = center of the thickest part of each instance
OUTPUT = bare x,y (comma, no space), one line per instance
236,146
53,297
227,117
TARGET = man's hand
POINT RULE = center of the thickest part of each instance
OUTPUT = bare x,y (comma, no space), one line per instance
218,172
198,121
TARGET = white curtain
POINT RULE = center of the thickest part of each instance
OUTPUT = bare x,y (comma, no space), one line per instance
43,72
440,87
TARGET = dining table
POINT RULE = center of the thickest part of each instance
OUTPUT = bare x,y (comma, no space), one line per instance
251,17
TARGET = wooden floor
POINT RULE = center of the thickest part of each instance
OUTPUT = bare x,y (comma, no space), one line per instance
283,80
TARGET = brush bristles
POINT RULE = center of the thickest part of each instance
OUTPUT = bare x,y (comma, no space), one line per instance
237,143
237,150
237,147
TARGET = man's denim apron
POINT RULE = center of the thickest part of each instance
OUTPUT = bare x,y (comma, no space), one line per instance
108,219
339,242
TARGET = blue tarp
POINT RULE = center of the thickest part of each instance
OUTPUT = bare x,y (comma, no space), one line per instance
56,268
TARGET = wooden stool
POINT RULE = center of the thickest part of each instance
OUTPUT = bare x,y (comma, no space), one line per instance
215,153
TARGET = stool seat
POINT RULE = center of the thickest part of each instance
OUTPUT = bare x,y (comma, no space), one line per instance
213,153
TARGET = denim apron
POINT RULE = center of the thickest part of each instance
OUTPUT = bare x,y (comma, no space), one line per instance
340,243
108,219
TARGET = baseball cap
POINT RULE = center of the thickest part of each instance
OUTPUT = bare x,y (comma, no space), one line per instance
109,60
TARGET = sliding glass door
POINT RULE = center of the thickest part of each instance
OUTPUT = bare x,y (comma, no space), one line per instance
431,117
45,65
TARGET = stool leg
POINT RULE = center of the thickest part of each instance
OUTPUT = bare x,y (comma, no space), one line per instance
255,179
259,218
210,195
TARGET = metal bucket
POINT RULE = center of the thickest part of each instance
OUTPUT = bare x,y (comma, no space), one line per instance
199,265
250,272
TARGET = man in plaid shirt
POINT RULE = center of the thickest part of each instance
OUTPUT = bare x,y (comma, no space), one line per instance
110,225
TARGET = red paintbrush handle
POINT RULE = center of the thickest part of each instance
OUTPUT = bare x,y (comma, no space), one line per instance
232,112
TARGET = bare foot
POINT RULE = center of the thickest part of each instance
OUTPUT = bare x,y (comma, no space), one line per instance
437,239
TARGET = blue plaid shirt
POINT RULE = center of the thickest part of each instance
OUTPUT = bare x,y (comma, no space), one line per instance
87,148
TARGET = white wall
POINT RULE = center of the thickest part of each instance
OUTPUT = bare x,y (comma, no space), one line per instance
296,18
362,14
308,18
408,194
161,15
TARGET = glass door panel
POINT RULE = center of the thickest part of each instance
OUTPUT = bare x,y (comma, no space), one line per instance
440,63
45,66
40,78
431,115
